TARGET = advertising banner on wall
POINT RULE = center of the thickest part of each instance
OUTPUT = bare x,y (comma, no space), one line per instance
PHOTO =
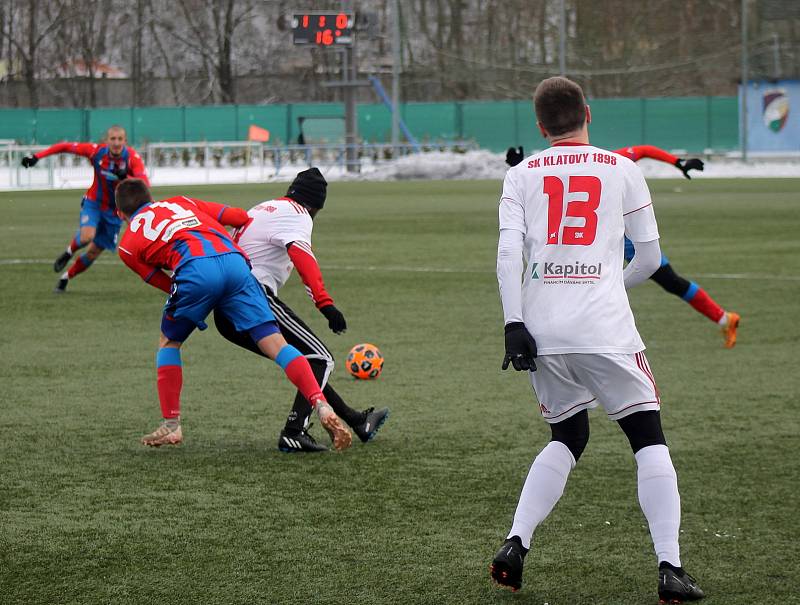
773,115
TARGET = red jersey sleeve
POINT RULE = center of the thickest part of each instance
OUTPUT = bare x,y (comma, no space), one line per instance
151,275
136,165
306,265
87,150
637,152
222,213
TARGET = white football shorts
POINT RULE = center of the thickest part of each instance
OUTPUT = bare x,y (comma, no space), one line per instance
568,383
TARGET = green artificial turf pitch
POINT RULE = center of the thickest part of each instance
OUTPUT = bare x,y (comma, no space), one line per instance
88,516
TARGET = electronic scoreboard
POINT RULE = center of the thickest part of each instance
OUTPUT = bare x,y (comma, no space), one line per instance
323,29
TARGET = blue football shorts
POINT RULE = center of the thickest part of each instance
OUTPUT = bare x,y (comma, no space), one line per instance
630,251
206,283
106,222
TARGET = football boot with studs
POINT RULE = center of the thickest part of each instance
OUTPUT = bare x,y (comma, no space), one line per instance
295,442
166,434
729,331
61,261
676,586
506,568
373,420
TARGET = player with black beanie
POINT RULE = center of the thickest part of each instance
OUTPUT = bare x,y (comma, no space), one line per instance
277,238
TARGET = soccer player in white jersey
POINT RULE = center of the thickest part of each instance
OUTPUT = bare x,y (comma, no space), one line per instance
277,238
568,322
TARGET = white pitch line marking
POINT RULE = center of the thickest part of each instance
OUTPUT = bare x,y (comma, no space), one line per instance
401,269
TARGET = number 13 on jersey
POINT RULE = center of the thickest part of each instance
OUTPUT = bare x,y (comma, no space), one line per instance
583,209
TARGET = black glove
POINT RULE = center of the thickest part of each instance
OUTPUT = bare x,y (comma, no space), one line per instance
520,347
514,156
336,321
119,172
29,160
691,164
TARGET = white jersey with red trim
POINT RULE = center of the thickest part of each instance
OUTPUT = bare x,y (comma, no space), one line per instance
573,204
273,225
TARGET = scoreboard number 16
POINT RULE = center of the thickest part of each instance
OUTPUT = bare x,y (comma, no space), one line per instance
323,29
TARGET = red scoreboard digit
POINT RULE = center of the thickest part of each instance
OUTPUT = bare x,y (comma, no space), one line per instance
323,29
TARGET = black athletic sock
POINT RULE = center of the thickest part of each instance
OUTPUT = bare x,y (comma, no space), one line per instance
352,417
666,565
301,410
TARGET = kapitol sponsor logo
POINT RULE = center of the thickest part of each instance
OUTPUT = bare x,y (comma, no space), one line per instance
572,271
534,274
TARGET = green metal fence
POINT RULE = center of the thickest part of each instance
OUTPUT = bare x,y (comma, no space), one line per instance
689,123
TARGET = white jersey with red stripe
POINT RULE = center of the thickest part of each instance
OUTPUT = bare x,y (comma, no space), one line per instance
573,204
273,225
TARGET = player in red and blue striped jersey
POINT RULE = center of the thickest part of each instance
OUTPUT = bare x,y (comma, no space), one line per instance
187,237
638,152
665,276
112,161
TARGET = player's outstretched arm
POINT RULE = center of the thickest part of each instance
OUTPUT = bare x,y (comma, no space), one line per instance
305,262
83,149
691,164
86,150
637,152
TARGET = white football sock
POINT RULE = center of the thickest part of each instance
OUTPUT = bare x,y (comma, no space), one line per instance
723,321
543,487
660,501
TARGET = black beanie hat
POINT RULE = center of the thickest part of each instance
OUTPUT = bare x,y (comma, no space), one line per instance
309,188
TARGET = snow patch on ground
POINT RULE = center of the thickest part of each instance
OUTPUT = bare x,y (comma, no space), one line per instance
478,164
487,165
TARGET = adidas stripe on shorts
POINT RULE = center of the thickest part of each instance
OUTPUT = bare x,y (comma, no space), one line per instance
298,334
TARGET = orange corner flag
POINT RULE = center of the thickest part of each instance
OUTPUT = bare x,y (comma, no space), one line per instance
256,133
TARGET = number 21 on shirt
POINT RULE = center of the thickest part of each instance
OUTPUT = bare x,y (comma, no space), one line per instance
182,218
579,209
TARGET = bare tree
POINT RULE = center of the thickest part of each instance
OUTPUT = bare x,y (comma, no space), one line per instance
137,79
166,57
212,28
28,28
228,51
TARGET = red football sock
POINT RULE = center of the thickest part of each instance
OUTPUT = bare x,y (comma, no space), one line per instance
79,266
706,305
299,372
75,245
170,381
